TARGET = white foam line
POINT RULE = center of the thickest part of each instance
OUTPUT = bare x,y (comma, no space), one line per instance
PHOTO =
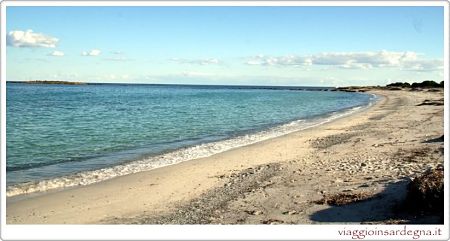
181,155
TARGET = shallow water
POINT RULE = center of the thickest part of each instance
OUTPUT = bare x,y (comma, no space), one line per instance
61,135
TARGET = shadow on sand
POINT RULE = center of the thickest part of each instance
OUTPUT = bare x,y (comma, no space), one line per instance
438,139
384,208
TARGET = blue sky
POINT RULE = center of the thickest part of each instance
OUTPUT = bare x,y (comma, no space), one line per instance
315,46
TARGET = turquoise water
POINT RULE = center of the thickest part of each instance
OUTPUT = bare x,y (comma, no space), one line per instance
87,133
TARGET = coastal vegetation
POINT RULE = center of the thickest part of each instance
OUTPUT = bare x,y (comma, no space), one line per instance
426,193
424,84
427,84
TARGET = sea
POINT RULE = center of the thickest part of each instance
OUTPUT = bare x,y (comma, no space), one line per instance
60,136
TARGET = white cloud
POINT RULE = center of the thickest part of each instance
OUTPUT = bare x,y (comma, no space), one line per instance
289,60
56,53
28,38
94,52
364,59
424,65
196,61
353,60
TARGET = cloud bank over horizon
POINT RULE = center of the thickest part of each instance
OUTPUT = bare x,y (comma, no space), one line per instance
407,60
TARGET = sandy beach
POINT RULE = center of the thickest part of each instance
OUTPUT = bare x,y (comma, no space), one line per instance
368,157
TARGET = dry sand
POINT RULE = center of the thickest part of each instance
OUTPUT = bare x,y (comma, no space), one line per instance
362,162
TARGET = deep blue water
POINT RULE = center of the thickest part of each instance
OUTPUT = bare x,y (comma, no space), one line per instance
59,130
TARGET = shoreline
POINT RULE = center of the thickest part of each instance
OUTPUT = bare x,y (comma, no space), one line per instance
149,196
20,191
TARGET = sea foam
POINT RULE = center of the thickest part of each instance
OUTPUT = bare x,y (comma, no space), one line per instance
174,157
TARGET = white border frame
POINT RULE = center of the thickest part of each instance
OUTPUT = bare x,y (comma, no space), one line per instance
225,3
208,232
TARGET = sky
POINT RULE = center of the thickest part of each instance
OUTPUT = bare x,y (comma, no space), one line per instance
299,46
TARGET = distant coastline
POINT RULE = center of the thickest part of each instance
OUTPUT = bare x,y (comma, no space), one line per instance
268,87
427,84
49,82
